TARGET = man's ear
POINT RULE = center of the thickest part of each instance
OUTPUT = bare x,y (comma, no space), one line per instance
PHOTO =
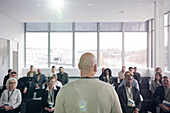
79,66
95,68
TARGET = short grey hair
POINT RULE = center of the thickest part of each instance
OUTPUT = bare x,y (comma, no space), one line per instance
9,80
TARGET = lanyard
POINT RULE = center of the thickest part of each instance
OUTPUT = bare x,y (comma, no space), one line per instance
9,96
51,96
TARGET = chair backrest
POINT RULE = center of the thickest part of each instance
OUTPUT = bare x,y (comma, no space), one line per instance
28,94
144,85
34,106
146,94
39,92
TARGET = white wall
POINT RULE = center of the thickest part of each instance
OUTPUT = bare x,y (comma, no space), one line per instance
14,32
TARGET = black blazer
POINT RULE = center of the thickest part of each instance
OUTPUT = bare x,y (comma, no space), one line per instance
63,78
124,100
4,82
159,95
45,97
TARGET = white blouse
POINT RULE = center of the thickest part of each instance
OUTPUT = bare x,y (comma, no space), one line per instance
13,99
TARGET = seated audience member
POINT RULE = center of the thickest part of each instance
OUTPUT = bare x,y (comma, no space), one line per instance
107,76
121,74
62,76
49,96
129,96
134,83
11,97
158,69
157,82
20,85
53,72
162,95
6,78
131,70
57,83
137,75
31,73
39,80
101,76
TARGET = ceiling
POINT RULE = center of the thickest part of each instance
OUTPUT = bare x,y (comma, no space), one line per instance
80,10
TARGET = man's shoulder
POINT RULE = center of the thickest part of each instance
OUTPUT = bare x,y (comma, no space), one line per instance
89,82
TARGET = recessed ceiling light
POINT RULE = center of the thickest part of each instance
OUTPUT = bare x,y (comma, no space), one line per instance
89,4
38,5
108,11
24,12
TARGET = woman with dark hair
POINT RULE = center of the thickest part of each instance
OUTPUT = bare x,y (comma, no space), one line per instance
157,82
158,69
49,96
107,76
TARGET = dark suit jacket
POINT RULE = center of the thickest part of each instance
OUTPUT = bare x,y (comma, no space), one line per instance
4,82
137,76
124,100
63,78
45,97
104,78
41,81
159,95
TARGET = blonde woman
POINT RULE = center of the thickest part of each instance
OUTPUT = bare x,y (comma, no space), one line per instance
11,97
49,96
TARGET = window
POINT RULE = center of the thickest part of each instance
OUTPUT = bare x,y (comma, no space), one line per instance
110,49
85,42
135,49
61,48
36,49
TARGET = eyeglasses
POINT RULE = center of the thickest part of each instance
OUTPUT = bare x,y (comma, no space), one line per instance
12,82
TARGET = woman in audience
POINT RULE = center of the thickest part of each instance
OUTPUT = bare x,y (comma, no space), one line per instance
11,97
107,76
49,96
158,69
157,82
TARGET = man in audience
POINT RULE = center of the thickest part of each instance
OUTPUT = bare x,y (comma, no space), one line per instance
31,73
129,96
53,71
20,85
162,95
39,80
134,83
6,78
137,75
131,69
62,76
87,95
121,74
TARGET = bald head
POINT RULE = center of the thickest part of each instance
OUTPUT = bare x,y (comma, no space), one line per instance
88,64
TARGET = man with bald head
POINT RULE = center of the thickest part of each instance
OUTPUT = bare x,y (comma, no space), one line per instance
39,80
87,94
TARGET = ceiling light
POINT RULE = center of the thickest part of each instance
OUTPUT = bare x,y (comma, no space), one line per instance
56,4
38,5
89,5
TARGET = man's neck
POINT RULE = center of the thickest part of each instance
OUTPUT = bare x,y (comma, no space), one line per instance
90,76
